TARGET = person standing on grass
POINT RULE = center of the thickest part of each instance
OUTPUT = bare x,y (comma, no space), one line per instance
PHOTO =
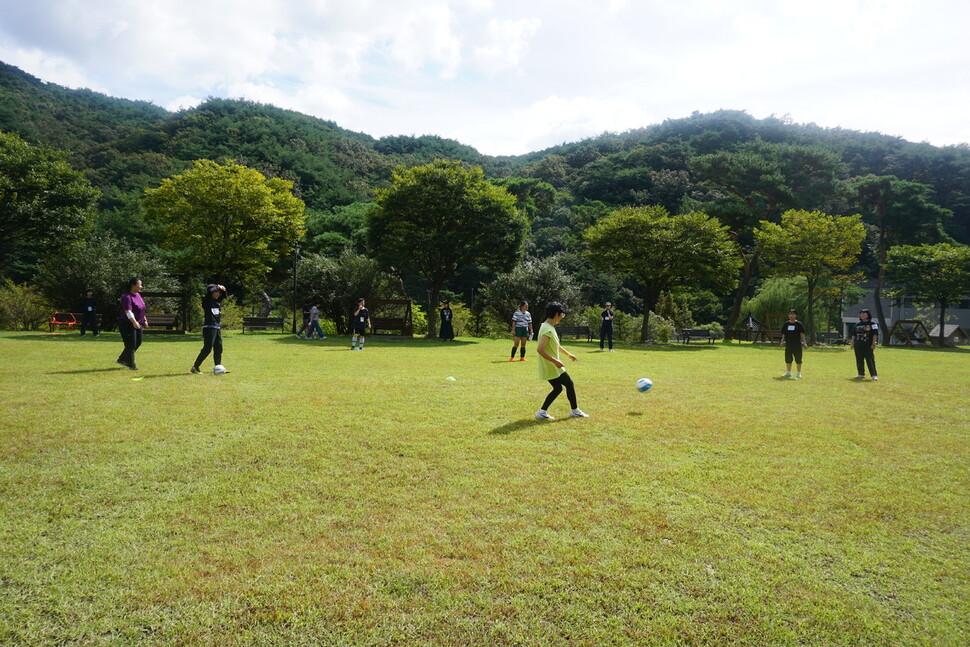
522,322
447,331
306,319
360,322
550,366
793,337
315,323
132,322
864,338
89,313
606,328
211,326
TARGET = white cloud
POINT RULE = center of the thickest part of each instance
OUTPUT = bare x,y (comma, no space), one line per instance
509,76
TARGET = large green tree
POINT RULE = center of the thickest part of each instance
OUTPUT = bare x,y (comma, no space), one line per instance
754,184
664,251
442,217
225,220
931,274
902,213
814,245
44,205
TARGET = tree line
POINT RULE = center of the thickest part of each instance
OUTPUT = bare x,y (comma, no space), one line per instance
729,175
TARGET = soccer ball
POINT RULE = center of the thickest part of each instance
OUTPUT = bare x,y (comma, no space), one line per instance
218,369
644,384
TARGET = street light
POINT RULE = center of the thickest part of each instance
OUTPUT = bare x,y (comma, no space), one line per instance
296,257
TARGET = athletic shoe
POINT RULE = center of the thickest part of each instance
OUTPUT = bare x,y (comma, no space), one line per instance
799,375
612,351
541,414
133,367
194,369
578,413
125,364
875,378
511,359
860,377
786,374
521,359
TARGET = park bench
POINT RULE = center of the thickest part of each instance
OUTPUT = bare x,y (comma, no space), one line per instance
576,331
829,338
262,323
162,323
696,333
396,325
59,319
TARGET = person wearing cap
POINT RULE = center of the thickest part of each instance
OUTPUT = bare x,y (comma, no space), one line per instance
89,313
606,327
211,326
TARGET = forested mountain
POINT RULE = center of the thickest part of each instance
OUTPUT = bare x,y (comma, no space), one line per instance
740,169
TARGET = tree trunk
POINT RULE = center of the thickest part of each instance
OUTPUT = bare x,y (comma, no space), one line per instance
267,304
810,315
880,278
748,270
433,308
942,325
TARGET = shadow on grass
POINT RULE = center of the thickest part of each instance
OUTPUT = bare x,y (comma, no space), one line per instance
344,340
519,425
105,338
81,371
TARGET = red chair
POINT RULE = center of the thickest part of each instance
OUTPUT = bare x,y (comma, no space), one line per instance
62,319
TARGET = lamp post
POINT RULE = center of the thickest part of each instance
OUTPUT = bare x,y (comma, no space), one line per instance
296,257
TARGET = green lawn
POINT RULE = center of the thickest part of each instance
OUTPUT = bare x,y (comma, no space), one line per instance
318,496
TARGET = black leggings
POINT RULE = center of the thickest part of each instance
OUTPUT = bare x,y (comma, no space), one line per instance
211,343
557,384
606,333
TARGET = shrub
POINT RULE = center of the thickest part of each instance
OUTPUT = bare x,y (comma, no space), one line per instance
22,307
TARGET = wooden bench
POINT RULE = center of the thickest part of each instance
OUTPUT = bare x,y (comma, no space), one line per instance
696,333
576,331
162,323
395,324
262,323
829,338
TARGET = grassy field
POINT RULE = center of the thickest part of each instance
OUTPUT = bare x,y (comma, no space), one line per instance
317,496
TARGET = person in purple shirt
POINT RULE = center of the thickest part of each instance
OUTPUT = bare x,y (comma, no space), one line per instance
131,323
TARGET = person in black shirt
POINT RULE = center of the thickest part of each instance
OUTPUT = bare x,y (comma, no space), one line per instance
360,322
865,337
606,328
306,319
447,332
793,337
211,326
89,313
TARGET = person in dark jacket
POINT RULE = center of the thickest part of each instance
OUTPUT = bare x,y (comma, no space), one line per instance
89,313
447,330
606,327
211,326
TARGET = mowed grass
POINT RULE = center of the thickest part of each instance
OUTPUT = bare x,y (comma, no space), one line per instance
318,496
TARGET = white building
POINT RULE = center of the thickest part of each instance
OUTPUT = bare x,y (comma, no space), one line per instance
902,308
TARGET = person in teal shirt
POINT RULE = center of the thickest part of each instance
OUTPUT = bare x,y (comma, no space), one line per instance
551,367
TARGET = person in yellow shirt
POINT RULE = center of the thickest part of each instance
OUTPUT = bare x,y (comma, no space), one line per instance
551,367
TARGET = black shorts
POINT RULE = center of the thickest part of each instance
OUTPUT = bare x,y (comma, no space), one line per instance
793,352
360,329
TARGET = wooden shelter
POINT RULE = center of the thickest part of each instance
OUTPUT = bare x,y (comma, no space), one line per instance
906,332
953,335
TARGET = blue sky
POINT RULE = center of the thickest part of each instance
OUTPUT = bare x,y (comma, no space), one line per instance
514,76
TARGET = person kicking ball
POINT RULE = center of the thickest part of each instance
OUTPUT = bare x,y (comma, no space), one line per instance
550,366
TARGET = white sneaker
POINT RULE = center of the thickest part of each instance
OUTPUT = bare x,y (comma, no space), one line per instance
786,374
875,378
578,413
542,414
798,375
860,377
